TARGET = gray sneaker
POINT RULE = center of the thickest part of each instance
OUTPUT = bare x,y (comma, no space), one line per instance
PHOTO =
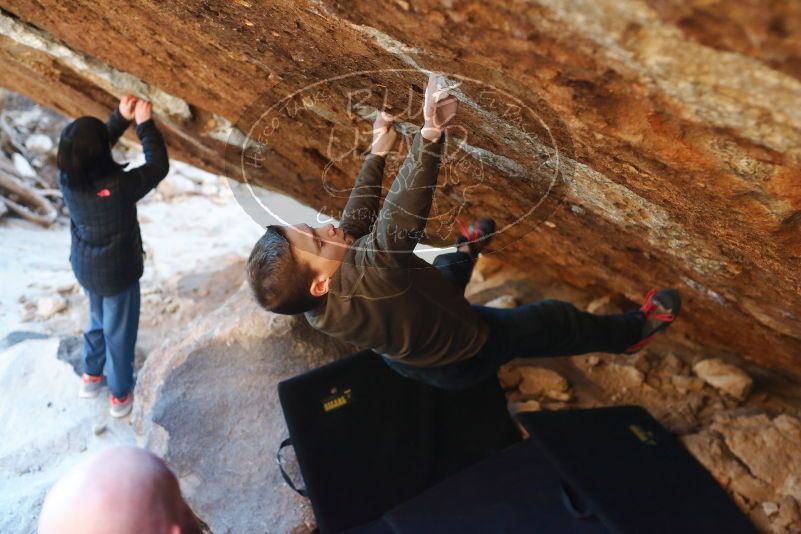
90,386
121,407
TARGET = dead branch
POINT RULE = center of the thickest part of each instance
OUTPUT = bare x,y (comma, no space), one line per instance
24,200
13,135
55,193
28,214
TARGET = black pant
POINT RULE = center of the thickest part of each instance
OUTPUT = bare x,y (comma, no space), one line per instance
542,329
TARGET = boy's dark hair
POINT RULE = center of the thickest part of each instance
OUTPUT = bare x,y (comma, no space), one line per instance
279,283
84,153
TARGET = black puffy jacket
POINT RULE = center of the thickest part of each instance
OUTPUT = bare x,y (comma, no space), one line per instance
106,252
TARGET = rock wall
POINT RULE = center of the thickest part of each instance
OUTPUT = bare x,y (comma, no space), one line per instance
624,143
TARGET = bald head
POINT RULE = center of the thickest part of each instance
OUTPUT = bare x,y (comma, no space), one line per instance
120,490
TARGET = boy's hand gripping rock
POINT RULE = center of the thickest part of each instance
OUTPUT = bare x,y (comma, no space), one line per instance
439,109
384,134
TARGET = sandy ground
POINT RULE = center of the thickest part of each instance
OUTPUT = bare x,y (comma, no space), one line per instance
46,428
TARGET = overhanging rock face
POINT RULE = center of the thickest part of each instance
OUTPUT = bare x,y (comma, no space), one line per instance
627,143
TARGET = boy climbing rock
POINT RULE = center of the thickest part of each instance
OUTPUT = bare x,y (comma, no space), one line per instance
363,284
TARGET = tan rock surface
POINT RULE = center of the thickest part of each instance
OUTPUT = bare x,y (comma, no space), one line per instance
536,381
725,377
749,438
758,459
509,376
676,122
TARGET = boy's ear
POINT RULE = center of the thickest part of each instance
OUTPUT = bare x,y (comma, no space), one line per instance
319,286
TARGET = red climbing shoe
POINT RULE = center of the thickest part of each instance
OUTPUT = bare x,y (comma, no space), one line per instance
660,309
477,235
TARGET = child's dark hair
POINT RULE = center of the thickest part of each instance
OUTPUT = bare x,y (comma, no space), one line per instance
279,283
84,153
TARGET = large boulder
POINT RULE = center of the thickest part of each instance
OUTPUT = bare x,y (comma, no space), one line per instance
668,128
207,403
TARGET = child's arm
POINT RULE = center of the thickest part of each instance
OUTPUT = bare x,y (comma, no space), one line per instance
120,118
145,177
362,207
402,220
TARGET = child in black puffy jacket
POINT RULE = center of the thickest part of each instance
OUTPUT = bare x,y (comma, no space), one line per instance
106,250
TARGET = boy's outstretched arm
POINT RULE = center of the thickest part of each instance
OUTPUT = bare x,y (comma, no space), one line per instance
403,217
120,118
362,208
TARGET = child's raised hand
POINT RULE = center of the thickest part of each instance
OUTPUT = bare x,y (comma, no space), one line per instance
143,111
127,105
439,109
384,134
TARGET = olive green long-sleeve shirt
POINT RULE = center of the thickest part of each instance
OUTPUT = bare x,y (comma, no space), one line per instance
384,297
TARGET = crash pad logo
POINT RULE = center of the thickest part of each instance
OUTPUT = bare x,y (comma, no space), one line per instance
309,142
646,436
337,399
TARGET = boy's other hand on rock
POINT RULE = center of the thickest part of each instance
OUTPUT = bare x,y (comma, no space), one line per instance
384,134
143,111
439,109
127,105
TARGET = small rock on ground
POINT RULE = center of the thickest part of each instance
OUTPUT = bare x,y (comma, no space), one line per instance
39,143
539,381
504,301
47,307
509,377
725,377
